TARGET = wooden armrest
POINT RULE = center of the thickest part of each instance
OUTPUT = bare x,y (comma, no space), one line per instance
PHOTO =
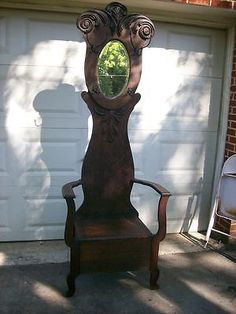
160,235
67,189
230,174
157,187
69,195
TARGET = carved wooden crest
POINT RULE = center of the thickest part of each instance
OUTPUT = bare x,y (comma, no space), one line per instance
99,27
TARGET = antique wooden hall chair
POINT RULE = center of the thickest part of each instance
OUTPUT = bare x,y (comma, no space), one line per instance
105,232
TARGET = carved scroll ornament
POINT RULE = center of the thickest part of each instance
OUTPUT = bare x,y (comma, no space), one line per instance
135,29
99,27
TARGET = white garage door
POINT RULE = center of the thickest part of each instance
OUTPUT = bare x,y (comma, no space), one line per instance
45,124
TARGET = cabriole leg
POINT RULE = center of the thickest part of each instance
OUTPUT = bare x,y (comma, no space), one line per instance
154,270
74,271
154,274
71,285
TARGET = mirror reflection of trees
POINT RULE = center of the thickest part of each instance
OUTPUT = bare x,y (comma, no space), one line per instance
113,69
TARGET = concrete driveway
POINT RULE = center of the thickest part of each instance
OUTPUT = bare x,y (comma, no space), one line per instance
192,280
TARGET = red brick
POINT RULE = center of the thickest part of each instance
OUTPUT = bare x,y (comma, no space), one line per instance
233,96
215,3
233,124
233,88
231,132
230,147
233,79
199,2
233,103
232,140
232,117
225,4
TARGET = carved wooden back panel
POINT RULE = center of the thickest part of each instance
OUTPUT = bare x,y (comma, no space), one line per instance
108,169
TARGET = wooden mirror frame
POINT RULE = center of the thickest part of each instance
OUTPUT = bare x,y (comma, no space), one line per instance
134,31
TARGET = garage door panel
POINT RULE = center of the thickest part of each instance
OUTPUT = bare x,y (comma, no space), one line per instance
3,165
2,83
185,152
37,79
171,152
56,135
61,100
40,29
40,42
42,101
6,227
12,35
45,180
3,36
56,157
181,202
190,103
49,212
4,208
190,50
5,177
157,123
55,146
193,100
51,46
190,98
67,44
43,213
181,41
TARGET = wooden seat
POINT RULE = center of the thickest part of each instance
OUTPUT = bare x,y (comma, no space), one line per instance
105,232
109,229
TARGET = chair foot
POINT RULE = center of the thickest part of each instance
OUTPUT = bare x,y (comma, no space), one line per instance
71,285
154,287
154,274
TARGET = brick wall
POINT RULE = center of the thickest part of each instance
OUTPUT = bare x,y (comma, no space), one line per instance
228,4
230,145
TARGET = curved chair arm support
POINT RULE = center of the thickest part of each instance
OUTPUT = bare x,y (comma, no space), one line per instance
69,195
165,194
157,187
67,189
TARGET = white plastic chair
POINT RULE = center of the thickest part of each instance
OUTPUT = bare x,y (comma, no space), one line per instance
225,200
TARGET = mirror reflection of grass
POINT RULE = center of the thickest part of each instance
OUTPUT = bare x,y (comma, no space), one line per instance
113,69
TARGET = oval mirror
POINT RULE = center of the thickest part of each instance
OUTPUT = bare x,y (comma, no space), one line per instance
113,69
